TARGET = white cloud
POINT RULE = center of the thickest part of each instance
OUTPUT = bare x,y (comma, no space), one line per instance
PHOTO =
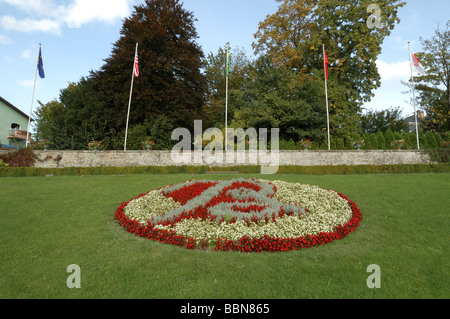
84,11
393,71
47,16
390,93
30,25
46,8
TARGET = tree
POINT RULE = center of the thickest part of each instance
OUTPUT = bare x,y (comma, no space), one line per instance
169,92
49,120
74,120
276,97
214,64
381,142
431,139
293,37
374,121
433,89
389,138
282,35
170,82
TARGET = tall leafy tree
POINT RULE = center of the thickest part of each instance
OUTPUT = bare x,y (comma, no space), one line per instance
215,73
282,35
49,119
73,120
170,82
277,97
294,36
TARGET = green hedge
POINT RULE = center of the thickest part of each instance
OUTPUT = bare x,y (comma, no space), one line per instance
375,141
365,169
307,170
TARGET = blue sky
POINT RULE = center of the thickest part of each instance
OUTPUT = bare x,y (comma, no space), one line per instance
76,35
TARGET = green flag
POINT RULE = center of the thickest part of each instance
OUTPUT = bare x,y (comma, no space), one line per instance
228,63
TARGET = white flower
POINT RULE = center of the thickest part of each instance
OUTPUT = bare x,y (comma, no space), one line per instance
148,206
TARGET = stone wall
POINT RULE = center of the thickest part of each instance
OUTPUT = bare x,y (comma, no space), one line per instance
52,159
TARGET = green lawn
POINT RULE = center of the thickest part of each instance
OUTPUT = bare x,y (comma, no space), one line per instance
49,223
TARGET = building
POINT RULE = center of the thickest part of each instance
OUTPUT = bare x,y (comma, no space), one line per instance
411,121
13,126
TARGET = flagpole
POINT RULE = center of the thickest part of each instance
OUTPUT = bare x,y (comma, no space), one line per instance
129,101
326,96
414,96
226,100
32,98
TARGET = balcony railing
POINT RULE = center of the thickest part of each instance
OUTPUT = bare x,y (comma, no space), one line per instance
17,134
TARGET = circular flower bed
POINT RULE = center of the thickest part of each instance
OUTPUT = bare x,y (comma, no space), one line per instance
247,215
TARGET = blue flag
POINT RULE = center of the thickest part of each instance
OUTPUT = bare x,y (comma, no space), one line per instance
41,65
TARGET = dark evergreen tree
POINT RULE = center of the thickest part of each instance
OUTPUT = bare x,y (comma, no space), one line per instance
170,82
169,92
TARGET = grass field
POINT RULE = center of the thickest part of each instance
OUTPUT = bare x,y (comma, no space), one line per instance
49,223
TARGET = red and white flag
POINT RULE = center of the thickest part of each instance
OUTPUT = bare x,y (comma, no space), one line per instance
416,66
136,66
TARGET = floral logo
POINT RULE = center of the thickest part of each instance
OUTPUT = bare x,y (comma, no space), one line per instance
246,215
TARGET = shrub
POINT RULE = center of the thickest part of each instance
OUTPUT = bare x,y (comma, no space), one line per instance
381,142
287,145
305,144
337,143
439,139
443,167
405,136
447,136
3,164
441,154
431,139
373,142
398,144
366,138
422,140
389,137
20,158
413,140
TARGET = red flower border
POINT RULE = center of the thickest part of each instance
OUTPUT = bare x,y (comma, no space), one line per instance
245,244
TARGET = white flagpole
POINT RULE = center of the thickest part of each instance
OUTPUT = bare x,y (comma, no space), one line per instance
226,100
32,98
414,96
129,101
326,96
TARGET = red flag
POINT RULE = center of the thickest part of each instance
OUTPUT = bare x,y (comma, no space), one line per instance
415,63
136,66
325,64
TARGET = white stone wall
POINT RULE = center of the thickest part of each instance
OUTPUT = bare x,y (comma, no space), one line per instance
50,159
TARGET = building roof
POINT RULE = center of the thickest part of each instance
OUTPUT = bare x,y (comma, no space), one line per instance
14,108
412,119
